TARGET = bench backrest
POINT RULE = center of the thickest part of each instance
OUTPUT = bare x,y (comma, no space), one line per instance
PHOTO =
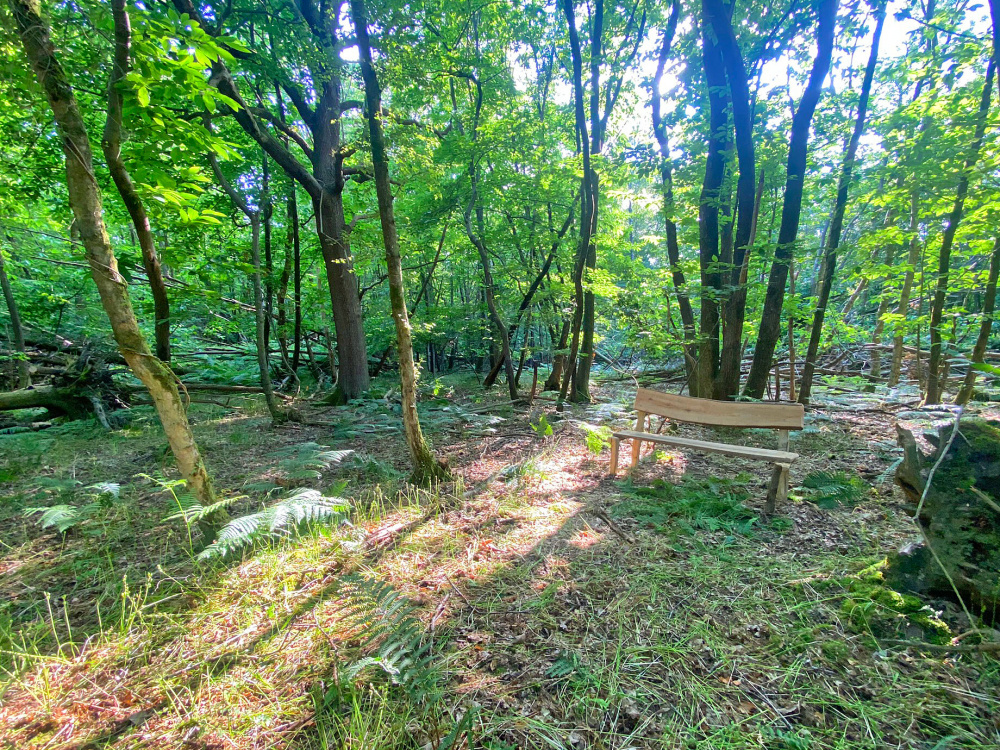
719,413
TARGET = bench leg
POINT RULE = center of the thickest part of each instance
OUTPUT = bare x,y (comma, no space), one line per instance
636,445
777,489
615,443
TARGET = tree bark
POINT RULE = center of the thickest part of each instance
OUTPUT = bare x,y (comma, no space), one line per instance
426,467
770,324
111,144
944,257
840,207
735,299
17,331
85,202
689,346
278,414
708,212
293,230
985,327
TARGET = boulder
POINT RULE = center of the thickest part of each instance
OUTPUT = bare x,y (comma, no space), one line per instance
959,516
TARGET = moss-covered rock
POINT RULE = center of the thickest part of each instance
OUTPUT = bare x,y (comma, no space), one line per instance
959,515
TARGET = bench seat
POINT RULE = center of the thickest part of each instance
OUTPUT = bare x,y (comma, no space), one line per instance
737,451
781,417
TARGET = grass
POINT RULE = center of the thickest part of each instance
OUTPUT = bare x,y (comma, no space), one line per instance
710,629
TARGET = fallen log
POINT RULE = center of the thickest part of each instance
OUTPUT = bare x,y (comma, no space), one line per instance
58,401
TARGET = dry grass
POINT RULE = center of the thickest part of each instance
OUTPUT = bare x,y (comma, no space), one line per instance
548,628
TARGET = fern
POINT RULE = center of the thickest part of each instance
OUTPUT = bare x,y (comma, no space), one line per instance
391,637
303,508
190,510
307,460
65,516
831,489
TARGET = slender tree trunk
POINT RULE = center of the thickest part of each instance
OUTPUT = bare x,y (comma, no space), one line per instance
791,334
944,257
837,224
266,214
530,294
904,293
17,331
85,202
111,144
426,467
278,414
587,199
293,230
770,324
985,328
689,346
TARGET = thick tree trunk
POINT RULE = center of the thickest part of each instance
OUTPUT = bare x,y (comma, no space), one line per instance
840,207
734,308
85,201
111,144
710,256
985,327
770,324
944,257
426,467
59,401
17,331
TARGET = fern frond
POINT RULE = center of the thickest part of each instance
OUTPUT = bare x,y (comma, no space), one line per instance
833,488
299,510
390,637
190,509
63,517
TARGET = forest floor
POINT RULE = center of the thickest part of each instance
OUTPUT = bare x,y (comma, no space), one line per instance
560,608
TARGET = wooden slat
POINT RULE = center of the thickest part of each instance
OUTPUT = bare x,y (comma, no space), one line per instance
720,413
739,451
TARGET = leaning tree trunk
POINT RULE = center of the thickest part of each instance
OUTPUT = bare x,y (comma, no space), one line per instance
426,467
111,144
17,331
944,257
770,324
985,328
840,207
85,202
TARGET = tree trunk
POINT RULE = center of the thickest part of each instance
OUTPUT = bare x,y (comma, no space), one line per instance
770,324
734,308
278,414
17,331
840,207
293,231
111,144
985,327
689,346
85,201
708,212
426,467
944,257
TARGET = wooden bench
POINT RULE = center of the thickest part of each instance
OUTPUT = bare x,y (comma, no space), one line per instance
781,417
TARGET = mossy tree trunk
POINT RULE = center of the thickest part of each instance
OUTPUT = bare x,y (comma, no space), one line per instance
426,467
85,202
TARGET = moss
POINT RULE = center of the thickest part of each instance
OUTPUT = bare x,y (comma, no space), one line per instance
873,607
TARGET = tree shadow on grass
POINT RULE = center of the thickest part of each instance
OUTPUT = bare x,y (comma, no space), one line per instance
550,627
